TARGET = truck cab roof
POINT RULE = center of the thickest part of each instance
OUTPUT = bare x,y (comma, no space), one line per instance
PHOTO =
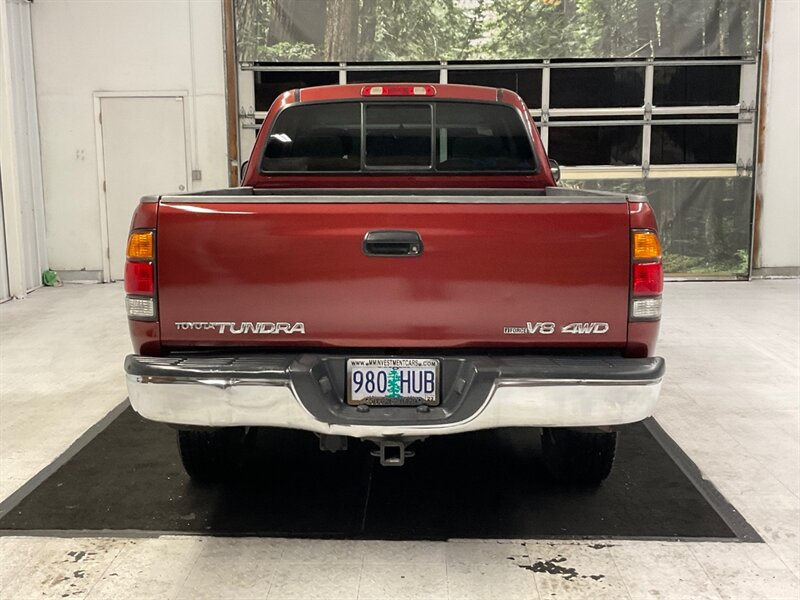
404,90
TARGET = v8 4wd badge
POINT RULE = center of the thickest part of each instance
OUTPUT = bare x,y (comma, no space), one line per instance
549,328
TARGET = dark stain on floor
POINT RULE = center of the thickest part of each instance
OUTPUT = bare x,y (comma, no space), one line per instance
553,566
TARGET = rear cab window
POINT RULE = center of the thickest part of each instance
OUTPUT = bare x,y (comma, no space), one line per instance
369,136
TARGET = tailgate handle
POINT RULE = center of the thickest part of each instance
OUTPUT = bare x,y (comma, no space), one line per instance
392,243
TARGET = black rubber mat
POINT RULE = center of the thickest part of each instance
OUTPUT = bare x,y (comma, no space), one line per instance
479,485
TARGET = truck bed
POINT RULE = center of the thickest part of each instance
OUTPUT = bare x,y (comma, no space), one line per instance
558,195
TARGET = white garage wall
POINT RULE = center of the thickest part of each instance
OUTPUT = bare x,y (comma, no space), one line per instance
86,46
779,183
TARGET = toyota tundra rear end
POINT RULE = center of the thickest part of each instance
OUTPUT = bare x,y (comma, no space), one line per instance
398,264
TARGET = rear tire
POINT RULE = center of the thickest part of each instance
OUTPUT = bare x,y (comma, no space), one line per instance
211,456
577,456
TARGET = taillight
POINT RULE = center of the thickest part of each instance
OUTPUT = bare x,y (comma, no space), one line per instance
646,245
398,90
648,279
139,278
140,275
140,245
647,276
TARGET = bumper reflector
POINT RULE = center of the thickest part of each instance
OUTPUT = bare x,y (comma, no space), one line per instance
140,308
646,308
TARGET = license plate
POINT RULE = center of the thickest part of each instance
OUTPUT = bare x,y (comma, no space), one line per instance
393,381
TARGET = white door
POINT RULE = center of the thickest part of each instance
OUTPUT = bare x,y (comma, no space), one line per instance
144,152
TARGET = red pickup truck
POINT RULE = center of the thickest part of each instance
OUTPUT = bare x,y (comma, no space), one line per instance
397,264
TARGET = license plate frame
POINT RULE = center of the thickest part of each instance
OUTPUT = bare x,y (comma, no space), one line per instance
385,365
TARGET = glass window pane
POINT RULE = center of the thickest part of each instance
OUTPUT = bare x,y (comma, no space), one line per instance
693,144
594,145
481,137
703,85
395,76
321,137
526,82
597,88
271,84
704,223
398,135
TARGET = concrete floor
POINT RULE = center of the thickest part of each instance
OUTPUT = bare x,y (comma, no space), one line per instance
731,400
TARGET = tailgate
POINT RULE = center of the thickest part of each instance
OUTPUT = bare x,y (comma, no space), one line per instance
490,274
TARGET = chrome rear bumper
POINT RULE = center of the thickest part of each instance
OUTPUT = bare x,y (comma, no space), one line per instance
479,392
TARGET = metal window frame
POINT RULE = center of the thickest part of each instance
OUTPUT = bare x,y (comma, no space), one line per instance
741,114
528,65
